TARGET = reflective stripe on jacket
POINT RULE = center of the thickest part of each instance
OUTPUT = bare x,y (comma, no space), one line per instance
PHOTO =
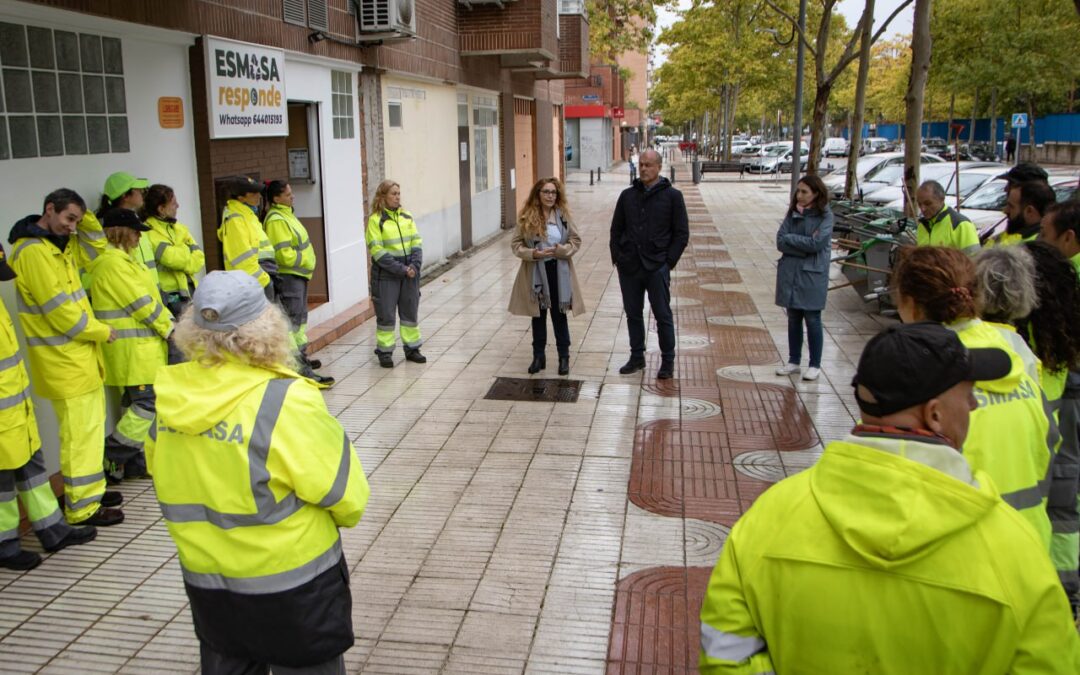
62,334
950,229
177,255
393,241
88,244
18,428
886,558
292,246
125,297
253,475
243,241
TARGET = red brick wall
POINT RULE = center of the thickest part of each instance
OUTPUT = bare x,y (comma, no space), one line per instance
520,25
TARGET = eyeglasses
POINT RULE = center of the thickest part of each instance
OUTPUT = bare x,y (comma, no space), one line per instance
549,192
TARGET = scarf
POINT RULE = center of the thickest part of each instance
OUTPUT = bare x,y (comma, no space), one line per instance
562,270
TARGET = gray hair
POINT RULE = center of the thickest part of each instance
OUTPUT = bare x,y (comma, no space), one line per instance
1005,279
934,188
651,153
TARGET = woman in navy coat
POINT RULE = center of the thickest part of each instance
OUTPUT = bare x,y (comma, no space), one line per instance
802,274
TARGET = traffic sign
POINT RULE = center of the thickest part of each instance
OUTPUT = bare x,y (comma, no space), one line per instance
591,98
1019,120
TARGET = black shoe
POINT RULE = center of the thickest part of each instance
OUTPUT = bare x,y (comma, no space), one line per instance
21,561
103,517
667,370
114,473
77,535
112,498
538,364
314,363
632,366
564,365
325,380
385,360
415,356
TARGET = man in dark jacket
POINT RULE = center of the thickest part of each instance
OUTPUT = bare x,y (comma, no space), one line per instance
649,232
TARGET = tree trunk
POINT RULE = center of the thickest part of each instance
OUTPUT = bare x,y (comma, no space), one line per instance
733,105
993,120
920,68
855,130
817,126
974,114
1031,131
722,133
952,118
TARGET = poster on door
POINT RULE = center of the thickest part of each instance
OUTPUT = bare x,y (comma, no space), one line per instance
245,89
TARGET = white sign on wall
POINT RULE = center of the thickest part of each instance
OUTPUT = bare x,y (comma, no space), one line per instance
245,89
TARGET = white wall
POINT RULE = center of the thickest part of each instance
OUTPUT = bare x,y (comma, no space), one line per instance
155,65
422,157
340,175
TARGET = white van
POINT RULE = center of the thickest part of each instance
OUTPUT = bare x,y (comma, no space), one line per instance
835,147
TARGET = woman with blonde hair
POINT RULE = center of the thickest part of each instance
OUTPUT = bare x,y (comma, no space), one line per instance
546,241
396,257
254,477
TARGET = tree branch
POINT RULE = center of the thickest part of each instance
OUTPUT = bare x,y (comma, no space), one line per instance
794,22
849,51
892,16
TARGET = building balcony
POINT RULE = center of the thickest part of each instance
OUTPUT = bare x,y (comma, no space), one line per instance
522,33
573,61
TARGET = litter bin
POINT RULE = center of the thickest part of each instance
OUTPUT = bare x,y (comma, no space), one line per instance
695,171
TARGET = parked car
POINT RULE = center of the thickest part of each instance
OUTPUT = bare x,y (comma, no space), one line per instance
835,147
748,153
935,146
972,176
984,206
970,152
772,156
865,167
873,144
786,160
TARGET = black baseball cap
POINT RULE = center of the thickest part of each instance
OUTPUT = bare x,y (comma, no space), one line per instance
123,218
6,273
909,364
1024,172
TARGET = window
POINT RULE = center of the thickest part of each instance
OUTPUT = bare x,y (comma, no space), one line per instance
393,114
341,92
480,159
485,128
63,93
463,110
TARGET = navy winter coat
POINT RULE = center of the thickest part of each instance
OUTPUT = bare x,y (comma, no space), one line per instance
650,227
802,274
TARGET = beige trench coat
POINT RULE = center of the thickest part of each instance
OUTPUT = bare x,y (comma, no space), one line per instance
523,300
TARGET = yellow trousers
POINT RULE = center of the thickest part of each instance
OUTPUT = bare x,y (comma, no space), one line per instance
82,452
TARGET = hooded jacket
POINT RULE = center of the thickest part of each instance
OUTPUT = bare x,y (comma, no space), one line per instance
254,478
887,556
1012,435
62,336
650,227
802,273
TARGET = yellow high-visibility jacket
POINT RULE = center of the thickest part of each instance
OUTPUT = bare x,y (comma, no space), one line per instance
292,246
393,241
950,229
1012,435
88,243
885,557
125,297
243,241
253,474
177,255
63,339
18,428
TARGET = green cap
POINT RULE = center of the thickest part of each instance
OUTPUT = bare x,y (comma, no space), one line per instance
120,182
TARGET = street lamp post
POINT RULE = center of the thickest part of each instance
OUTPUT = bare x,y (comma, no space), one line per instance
800,62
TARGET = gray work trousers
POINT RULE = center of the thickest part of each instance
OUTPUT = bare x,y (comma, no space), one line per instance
395,296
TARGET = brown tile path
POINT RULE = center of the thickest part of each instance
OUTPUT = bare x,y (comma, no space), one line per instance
500,534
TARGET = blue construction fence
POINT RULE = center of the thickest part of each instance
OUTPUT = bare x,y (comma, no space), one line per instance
1063,128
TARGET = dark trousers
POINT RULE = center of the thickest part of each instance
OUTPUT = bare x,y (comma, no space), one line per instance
634,286
558,319
292,296
216,663
176,304
814,332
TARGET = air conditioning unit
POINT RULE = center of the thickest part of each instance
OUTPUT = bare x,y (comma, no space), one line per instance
395,17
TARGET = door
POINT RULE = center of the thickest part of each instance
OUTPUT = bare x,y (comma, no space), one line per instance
302,147
465,183
525,148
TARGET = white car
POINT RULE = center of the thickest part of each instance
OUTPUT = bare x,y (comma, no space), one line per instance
835,147
776,154
865,167
985,205
972,175
874,144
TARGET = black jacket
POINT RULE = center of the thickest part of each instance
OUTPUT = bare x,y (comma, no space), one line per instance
28,227
650,228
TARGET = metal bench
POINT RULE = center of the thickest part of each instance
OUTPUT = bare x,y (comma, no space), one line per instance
721,167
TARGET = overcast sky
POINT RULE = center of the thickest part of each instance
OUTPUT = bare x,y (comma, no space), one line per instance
851,9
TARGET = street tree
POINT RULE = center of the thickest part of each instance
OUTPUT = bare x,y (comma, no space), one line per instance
920,69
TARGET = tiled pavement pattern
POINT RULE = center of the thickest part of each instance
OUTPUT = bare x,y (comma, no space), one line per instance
511,537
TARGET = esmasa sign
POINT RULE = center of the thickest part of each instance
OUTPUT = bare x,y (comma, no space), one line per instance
245,89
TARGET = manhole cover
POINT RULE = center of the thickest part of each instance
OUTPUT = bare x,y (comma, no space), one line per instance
521,389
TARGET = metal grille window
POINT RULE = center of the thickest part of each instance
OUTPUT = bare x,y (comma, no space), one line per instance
485,111
341,91
480,159
485,130
61,93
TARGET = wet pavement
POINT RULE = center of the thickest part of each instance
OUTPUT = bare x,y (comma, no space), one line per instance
514,536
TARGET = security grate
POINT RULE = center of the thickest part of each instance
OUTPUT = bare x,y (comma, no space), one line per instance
521,389
318,14
295,12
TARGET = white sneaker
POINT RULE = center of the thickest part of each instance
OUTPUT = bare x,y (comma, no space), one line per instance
787,369
811,374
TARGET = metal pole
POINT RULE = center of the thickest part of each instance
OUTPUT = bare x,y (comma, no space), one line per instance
800,62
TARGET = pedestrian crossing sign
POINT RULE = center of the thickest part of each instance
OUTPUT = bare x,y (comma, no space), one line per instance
1019,120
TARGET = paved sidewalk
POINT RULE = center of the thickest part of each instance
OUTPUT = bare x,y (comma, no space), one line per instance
513,537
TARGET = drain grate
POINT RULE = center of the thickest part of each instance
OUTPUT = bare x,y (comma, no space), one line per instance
522,389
